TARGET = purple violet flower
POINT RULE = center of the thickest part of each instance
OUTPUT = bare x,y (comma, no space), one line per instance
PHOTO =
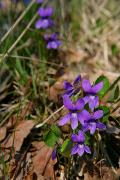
72,88
43,23
73,114
79,148
91,98
45,12
91,121
52,41
54,154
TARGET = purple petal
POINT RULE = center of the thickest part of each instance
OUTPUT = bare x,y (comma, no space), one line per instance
64,120
74,138
74,150
77,80
45,12
54,154
85,127
92,128
79,104
81,118
67,85
54,36
81,150
87,149
98,114
43,23
74,120
101,126
58,42
81,136
86,85
93,102
86,99
38,24
86,115
68,102
52,45
96,88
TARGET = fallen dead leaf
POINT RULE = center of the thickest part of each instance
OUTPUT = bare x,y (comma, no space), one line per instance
43,165
17,137
3,132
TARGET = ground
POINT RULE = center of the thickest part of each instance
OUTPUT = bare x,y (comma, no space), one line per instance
31,85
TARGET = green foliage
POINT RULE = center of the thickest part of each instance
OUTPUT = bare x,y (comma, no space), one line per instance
52,136
87,139
114,94
106,114
56,130
99,23
66,147
106,85
114,49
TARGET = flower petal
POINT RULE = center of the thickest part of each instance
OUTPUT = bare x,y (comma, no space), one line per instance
86,115
52,45
77,80
92,128
86,85
74,120
96,88
67,85
87,149
45,12
81,150
64,120
101,126
81,136
79,104
81,118
93,102
85,127
74,138
68,102
86,99
43,23
98,114
54,154
74,150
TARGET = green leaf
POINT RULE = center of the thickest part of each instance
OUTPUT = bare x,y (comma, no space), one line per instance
114,94
66,147
114,83
87,139
99,23
51,139
117,91
106,114
106,85
56,130
114,49
52,136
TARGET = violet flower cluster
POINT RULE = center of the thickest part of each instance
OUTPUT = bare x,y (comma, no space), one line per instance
83,113
46,22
